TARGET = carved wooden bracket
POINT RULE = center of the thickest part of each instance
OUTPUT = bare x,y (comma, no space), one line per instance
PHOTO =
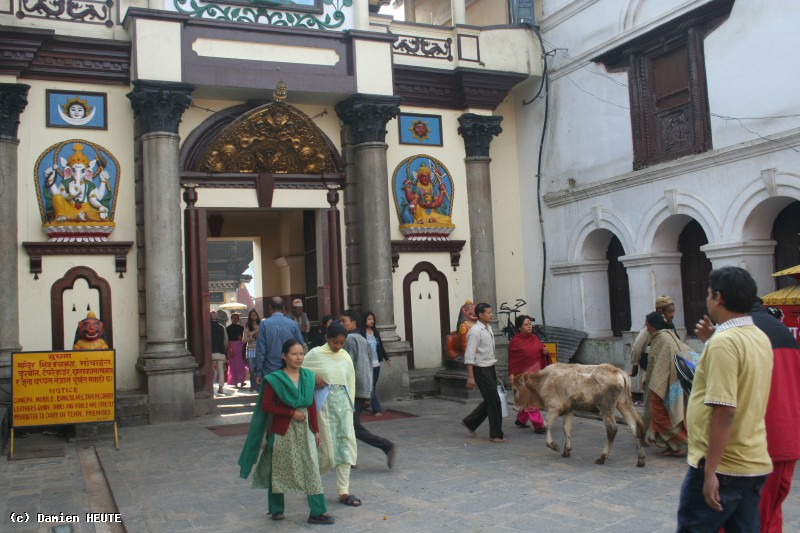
453,247
38,249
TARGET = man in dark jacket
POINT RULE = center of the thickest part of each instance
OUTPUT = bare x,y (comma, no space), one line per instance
783,412
219,342
358,348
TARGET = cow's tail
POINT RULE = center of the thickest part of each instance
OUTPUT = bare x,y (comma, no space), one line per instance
629,408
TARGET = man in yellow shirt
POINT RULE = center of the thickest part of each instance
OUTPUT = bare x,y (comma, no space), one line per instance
728,458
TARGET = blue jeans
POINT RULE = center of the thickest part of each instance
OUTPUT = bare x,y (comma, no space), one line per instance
739,497
374,403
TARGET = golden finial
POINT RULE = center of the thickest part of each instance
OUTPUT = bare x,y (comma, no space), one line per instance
279,94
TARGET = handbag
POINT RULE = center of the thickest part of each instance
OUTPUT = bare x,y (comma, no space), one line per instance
685,368
501,391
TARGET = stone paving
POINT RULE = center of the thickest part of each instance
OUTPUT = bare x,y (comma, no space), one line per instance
182,477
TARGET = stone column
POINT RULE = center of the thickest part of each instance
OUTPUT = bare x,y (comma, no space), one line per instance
352,272
755,256
649,276
459,11
166,362
366,116
410,10
478,132
13,99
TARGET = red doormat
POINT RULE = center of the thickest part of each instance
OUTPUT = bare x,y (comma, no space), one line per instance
230,430
388,414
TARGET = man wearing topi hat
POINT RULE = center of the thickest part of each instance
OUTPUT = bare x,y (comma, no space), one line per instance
666,307
301,318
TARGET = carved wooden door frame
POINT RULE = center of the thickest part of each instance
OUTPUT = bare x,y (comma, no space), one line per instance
57,305
444,304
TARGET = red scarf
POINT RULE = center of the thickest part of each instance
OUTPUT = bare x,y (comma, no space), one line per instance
525,354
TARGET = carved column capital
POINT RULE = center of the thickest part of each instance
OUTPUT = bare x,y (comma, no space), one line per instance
333,198
368,115
13,99
160,104
478,131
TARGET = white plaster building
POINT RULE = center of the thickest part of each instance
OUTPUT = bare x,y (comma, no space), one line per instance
647,187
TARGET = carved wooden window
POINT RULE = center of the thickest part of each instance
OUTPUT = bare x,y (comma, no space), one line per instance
667,85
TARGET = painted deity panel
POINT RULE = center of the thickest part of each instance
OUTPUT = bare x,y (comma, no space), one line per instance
420,129
76,110
76,184
423,196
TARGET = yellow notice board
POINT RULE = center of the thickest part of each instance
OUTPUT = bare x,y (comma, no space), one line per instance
552,347
51,388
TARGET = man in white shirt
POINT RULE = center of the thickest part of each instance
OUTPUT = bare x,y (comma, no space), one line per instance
480,360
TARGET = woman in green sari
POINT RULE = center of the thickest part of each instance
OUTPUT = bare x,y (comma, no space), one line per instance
289,462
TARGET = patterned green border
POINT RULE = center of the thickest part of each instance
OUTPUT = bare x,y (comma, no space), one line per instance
261,15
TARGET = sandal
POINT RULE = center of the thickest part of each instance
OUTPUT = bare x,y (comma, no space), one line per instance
666,453
349,499
680,453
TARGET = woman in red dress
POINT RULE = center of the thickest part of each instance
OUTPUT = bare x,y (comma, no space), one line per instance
526,353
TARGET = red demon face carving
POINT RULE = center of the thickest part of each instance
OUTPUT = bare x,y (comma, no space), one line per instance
90,328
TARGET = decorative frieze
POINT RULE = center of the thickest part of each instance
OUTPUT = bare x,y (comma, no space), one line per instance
332,16
460,88
43,55
415,45
84,11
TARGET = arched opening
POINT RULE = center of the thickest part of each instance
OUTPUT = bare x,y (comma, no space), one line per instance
786,234
619,297
695,268
276,149
67,283
435,277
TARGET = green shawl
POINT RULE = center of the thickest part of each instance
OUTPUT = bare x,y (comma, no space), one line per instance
294,396
300,396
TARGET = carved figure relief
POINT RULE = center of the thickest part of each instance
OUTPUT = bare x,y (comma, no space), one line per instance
76,184
76,110
456,341
90,334
275,138
423,195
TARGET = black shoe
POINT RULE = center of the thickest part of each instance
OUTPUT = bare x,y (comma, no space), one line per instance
520,424
277,516
320,519
540,431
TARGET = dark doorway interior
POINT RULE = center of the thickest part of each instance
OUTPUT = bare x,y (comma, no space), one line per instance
786,233
695,268
310,261
618,289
